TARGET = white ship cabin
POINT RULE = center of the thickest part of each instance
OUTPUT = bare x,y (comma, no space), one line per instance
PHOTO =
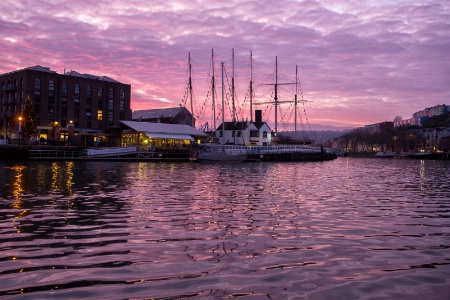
244,133
149,136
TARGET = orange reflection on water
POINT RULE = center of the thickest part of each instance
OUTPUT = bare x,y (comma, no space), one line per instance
55,173
69,181
18,188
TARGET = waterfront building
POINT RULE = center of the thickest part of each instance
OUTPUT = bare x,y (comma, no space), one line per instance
68,106
159,135
175,115
435,138
368,144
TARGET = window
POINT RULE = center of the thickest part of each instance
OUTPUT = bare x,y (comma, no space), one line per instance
89,95
100,97
50,113
15,91
51,91
254,133
77,94
64,92
2,95
265,134
99,119
110,116
64,112
37,90
111,99
88,113
76,113
239,133
122,100
21,88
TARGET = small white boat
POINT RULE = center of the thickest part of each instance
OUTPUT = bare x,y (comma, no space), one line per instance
386,154
218,154
221,157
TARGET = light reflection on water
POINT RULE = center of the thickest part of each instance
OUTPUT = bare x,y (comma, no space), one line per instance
345,229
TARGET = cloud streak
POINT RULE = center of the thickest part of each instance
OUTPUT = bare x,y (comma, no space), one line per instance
360,62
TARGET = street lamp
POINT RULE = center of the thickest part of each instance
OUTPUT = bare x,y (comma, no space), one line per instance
20,128
55,131
70,132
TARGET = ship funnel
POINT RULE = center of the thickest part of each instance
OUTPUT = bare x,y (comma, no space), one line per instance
258,115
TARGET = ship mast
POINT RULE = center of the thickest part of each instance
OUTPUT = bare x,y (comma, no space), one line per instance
276,102
223,108
295,102
190,91
232,88
251,86
276,94
213,86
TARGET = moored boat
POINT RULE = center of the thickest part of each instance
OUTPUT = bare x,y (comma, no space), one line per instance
219,153
386,154
416,155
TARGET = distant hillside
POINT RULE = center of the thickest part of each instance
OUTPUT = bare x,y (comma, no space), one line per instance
320,136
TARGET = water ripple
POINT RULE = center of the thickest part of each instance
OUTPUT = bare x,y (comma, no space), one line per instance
349,228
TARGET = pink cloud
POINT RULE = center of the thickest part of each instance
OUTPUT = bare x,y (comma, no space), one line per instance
358,64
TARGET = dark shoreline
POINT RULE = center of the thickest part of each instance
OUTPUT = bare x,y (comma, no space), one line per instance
16,152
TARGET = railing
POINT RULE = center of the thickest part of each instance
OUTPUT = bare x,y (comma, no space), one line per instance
109,151
54,154
272,149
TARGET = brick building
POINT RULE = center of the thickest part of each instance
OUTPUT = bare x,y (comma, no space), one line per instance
174,115
68,103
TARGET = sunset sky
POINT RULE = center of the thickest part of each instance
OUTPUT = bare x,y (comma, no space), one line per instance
359,62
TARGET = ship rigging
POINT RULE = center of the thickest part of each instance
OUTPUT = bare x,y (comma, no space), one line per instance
208,120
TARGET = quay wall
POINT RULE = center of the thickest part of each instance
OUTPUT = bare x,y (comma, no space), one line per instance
16,152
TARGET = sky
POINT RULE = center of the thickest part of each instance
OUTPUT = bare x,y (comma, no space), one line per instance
358,62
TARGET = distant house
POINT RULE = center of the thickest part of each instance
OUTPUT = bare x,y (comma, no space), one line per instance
237,133
248,133
175,115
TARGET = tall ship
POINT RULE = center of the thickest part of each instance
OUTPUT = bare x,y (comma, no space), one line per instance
252,136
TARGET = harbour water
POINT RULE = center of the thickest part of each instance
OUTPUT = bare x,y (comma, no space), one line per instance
351,228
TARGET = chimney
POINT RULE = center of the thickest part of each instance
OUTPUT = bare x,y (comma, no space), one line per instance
258,115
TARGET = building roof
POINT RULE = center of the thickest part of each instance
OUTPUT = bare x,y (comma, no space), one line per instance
157,113
260,124
40,69
70,73
34,68
163,128
89,76
241,125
